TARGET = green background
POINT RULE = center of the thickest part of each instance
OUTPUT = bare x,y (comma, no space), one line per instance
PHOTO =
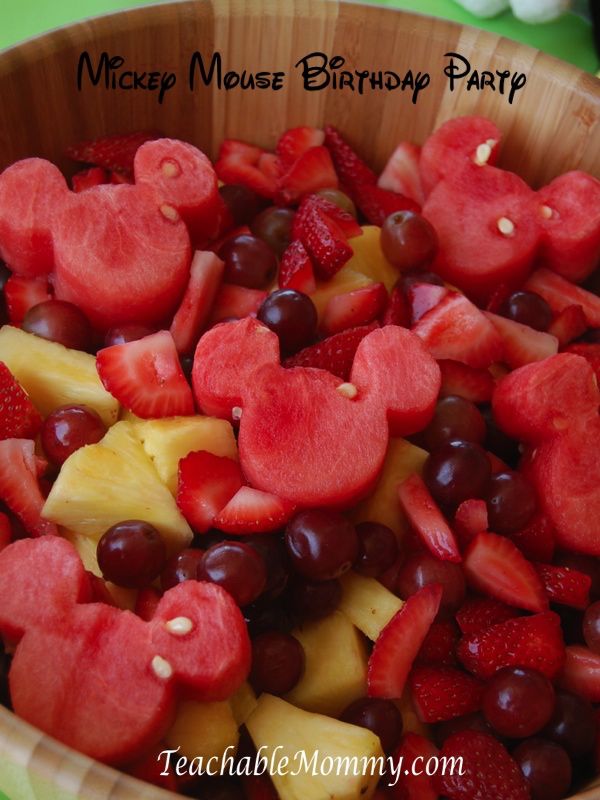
568,38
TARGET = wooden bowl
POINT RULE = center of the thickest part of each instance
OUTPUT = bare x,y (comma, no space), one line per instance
551,126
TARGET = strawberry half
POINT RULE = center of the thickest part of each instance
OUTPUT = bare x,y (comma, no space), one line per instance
19,418
396,311
88,178
325,242
400,641
312,171
471,518
238,162
495,566
427,520
344,220
296,141
442,693
196,305
477,614
335,354
476,385
439,646
253,511
206,483
535,642
19,487
351,169
536,539
488,770
296,269
21,294
401,173
568,324
522,344
114,153
146,377
564,585
353,309
412,782
377,204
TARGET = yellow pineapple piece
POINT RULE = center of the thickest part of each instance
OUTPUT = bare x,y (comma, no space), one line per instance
336,666
53,375
368,258
204,730
328,759
168,440
410,721
346,280
402,459
243,703
367,603
114,480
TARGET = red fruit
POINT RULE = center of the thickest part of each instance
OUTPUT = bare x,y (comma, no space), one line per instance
471,518
99,592
334,354
114,153
560,293
206,484
534,641
476,385
522,344
252,511
401,173
496,208
442,693
118,178
229,233
400,641
324,241
397,311
427,520
563,585
377,204
353,309
21,294
270,166
488,769
19,487
153,769
478,614
542,399
312,171
568,324
495,566
581,673
19,418
591,353
147,602
197,303
569,215
439,646
422,297
346,222
88,178
351,169
456,329
145,376
536,539
296,141
6,532
236,302
296,269
238,163
411,757
27,215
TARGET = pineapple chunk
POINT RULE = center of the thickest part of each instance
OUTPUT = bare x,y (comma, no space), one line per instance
367,603
410,720
336,666
114,480
168,440
368,258
243,703
53,375
204,730
346,280
402,459
320,752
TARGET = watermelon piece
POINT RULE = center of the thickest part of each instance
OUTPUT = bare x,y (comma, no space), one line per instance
570,221
236,302
401,173
560,293
195,308
32,192
591,353
522,344
569,324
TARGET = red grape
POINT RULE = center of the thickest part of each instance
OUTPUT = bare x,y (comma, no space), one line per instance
377,715
321,544
310,601
126,333
457,471
243,204
181,567
422,569
61,322
572,724
529,308
546,767
131,554
591,627
67,429
236,567
377,549
292,316
339,198
274,226
249,261
408,240
277,663
511,502
455,418
518,702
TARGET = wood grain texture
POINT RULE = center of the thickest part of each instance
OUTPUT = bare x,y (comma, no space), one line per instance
552,126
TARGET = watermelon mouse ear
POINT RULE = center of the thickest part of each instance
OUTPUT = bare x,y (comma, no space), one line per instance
226,358
393,369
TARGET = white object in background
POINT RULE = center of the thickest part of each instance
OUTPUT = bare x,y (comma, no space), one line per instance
485,8
532,11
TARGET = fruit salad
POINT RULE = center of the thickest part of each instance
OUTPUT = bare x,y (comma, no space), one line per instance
296,457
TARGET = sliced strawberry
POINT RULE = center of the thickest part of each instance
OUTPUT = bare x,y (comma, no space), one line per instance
238,163
351,169
114,153
99,590
522,344
477,614
118,178
564,585
236,302
581,673
253,511
534,641
442,693
147,602
270,166
427,519
397,311
19,487
325,242
496,567
296,269
536,539
206,483
471,518
568,324
335,354
476,385
456,329
400,641
352,309
6,531
401,173
591,353
313,170
377,204
409,781
196,305
21,294
345,221
560,293
488,771
439,646
88,178
296,141
19,419
145,376
422,297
